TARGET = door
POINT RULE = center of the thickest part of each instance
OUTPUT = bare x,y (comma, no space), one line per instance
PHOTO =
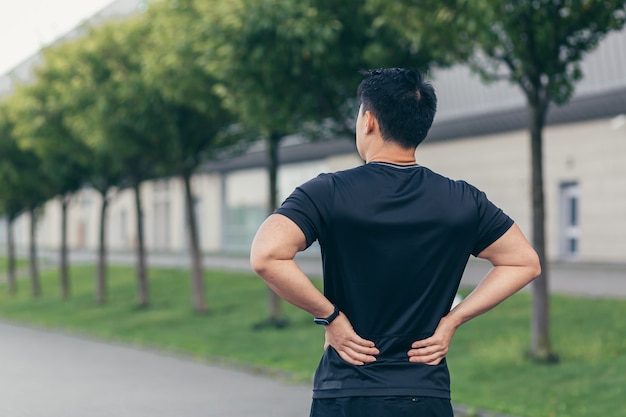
570,228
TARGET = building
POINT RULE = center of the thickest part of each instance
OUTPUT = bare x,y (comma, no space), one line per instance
479,135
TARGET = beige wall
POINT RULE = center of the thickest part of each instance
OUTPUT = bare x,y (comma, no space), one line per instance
208,188
339,162
291,176
594,155
246,187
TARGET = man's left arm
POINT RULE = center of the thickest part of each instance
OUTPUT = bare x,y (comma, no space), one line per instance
272,254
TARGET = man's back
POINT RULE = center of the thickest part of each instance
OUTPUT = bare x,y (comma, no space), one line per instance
395,241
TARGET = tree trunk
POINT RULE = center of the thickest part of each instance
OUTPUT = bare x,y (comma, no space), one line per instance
197,279
101,278
274,301
540,328
35,286
11,278
143,299
63,261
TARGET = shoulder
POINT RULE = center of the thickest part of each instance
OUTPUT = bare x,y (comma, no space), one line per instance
328,180
453,183
458,189
457,183
321,182
318,189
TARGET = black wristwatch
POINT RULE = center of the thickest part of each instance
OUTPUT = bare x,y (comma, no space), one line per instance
326,321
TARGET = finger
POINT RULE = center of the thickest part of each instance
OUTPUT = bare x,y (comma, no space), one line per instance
356,358
422,343
346,357
426,355
431,363
359,348
355,338
424,351
428,360
359,354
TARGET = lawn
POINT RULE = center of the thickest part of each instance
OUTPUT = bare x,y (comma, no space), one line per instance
19,263
487,360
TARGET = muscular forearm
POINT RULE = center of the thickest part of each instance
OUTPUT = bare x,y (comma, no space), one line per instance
287,280
499,284
515,264
272,257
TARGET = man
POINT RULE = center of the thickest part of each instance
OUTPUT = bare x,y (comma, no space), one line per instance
395,238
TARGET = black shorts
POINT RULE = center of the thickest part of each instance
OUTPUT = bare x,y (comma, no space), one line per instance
381,407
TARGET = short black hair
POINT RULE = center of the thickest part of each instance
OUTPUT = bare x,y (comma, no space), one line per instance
402,102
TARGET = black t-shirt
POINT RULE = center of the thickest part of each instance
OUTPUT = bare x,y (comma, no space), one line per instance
395,241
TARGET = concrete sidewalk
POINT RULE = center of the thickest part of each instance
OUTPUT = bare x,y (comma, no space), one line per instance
51,374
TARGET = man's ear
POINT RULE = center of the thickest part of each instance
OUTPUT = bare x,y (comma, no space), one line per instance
370,122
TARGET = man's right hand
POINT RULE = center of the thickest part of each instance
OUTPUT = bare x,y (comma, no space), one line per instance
349,345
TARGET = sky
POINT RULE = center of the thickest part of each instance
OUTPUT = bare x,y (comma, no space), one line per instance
27,25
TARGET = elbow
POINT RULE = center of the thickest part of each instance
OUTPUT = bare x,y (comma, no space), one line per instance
263,260
534,265
258,263
536,271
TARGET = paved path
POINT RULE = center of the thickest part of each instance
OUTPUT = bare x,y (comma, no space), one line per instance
48,374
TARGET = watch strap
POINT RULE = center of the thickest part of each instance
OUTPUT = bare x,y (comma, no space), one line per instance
325,321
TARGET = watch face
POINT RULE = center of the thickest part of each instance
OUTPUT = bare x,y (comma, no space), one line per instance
323,322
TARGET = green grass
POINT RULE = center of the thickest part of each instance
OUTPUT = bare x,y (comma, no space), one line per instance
19,263
487,361
490,369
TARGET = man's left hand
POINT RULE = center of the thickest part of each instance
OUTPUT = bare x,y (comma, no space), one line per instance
432,350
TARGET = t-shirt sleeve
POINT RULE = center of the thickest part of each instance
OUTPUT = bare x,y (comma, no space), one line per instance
492,222
307,207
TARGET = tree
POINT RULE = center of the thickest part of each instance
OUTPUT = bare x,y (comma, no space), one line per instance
9,204
41,126
540,44
428,30
107,175
116,119
190,118
62,80
291,65
11,275
23,187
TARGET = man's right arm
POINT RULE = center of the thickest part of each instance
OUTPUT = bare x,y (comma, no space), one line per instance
515,265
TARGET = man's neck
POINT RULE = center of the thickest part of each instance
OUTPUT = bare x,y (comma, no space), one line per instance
392,154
